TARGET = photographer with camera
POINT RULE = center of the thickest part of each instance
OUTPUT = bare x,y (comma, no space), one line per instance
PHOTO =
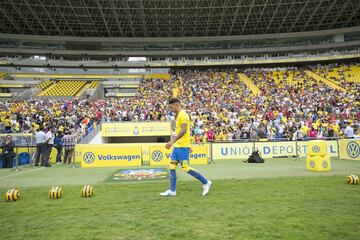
7,152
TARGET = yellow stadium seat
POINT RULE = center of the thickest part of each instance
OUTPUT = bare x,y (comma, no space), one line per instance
65,87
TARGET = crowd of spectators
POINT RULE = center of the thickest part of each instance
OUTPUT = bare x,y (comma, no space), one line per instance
28,116
291,105
51,122
296,106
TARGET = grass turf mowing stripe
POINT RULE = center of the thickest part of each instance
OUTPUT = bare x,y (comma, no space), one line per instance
22,172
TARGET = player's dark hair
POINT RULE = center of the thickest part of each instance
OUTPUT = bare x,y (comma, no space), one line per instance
174,100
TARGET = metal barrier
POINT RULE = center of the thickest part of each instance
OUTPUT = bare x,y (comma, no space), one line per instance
87,138
27,141
31,150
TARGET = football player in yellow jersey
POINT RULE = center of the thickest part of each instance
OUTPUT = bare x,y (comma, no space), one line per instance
181,151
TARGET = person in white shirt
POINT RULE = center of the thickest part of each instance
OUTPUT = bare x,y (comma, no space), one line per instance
40,136
233,120
229,136
49,143
281,130
349,131
297,135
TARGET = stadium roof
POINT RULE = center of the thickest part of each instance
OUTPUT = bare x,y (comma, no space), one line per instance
174,18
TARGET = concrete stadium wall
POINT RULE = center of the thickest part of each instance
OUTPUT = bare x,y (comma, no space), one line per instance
78,70
97,139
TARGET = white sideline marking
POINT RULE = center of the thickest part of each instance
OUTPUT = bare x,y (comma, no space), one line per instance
19,173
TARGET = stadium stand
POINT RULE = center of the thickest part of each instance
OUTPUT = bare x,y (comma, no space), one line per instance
64,88
288,76
3,75
93,84
164,76
324,80
44,85
309,104
254,89
346,76
225,105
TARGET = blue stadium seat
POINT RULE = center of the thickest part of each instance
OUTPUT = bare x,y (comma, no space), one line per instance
24,158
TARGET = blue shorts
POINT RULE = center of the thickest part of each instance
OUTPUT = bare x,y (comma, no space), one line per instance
180,154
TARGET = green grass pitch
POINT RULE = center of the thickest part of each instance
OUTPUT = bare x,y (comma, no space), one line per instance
275,200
